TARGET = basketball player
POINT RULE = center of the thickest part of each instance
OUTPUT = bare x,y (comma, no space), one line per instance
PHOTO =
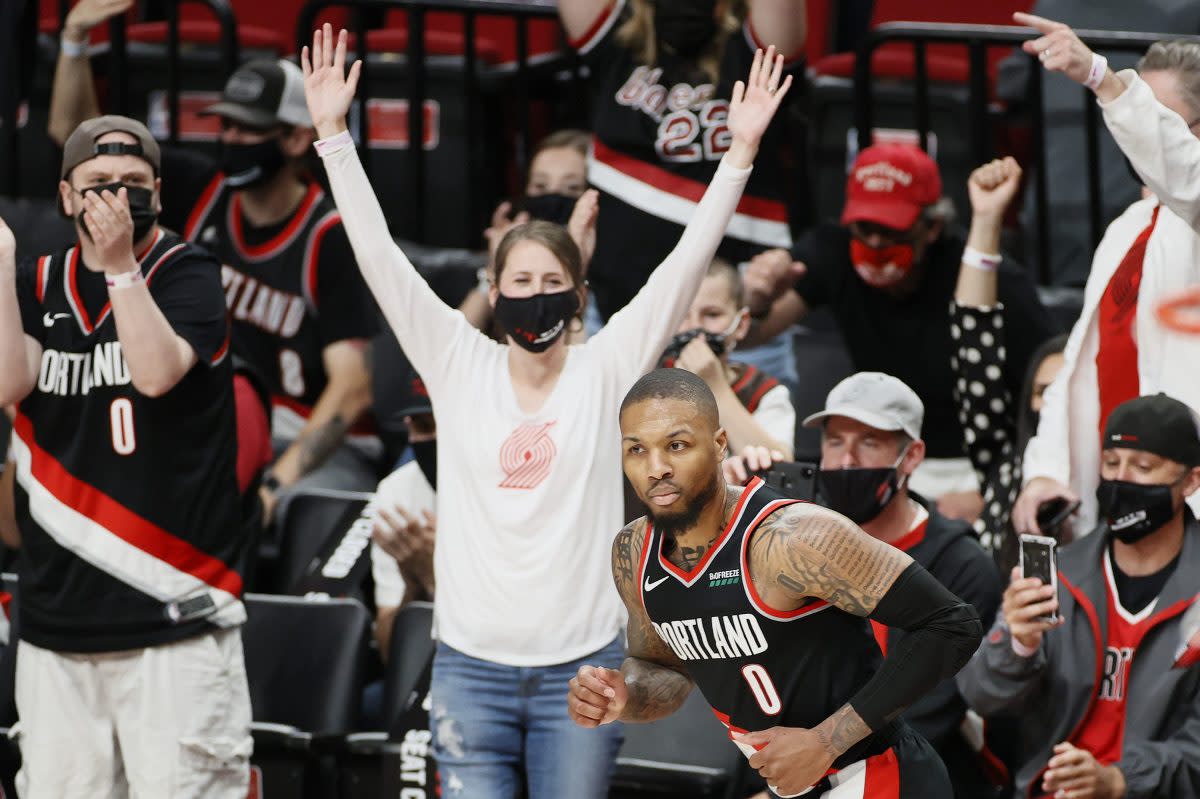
763,603
115,352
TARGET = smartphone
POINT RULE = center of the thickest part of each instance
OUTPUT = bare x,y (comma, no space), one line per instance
793,480
1053,512
1039,559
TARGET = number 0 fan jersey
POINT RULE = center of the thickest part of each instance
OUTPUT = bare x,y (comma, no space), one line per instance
127,504
756,666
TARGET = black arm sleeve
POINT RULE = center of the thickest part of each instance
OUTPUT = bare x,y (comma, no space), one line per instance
943,632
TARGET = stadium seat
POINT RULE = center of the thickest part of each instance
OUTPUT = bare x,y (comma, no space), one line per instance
686,754
305,661
310,521
367,762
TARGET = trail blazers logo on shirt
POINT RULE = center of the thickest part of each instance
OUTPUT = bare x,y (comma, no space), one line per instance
527,455
1116,673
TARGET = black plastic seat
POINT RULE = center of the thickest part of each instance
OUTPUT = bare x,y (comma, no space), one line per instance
306,661
310,522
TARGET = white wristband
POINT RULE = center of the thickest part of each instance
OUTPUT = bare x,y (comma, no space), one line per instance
333,143
1098,71
124,280
72,49
981,260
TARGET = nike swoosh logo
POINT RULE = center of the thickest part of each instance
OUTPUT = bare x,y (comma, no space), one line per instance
650,586
49,320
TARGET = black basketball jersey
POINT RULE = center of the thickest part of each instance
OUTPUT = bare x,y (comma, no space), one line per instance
284,310
757,667
127,504
659,132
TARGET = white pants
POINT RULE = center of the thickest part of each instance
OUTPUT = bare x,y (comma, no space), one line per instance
165,721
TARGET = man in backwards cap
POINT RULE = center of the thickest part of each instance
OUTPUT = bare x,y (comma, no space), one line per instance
1107,709
115,352
301,312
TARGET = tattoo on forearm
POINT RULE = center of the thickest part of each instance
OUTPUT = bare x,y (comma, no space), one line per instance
810,552
841,731
654,691
317,445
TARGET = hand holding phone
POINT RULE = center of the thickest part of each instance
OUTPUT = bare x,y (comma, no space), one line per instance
1031,599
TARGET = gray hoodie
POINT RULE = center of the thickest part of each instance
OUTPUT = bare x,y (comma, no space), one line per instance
1053,690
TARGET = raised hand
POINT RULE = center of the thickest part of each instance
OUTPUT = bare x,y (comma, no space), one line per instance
768,275
327,87
1058,48
87,14
596,696
1026,603
992,187
582,224
110,224
754,103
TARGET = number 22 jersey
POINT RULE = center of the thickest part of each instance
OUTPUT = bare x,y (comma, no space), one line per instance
126,503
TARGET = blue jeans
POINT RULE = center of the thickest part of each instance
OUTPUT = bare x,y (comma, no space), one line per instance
493,723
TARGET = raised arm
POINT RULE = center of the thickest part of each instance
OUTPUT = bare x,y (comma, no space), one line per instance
425,327
807,552
652,682
1159,143
636,335
73,93
20,354
579,16
782,23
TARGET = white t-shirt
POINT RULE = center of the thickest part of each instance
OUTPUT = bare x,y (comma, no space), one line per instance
407,488
776,415
527,503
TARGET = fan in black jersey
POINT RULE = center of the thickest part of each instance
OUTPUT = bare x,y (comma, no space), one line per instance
115,352
763,603
301,313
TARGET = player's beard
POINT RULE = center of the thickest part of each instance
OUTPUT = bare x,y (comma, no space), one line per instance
677,521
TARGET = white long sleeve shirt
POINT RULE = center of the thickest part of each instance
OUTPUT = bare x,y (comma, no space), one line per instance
527,503
1159,144
1067,445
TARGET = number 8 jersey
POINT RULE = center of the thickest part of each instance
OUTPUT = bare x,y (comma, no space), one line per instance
127,504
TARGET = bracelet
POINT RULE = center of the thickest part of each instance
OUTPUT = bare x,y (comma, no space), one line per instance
1098,71
124,280
72,49
326,147
981,260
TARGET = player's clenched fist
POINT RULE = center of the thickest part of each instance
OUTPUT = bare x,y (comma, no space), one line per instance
596,696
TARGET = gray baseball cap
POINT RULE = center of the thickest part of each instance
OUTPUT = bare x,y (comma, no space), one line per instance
264,93
875,399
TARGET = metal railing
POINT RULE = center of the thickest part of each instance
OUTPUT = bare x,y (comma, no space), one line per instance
417,77
978,39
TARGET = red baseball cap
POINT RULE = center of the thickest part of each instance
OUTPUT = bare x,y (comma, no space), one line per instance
890,184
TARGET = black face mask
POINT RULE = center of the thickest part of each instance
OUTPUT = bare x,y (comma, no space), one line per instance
536,322
141,208
425,454
554,208
716,342
685,27
248,165
860,494
1134,511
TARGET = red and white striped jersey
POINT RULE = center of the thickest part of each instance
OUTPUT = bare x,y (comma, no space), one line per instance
127,504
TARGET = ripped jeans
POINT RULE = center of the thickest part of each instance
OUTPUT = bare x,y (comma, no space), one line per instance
496,726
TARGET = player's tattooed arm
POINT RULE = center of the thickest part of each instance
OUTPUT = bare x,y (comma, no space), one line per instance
655,679
805,551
